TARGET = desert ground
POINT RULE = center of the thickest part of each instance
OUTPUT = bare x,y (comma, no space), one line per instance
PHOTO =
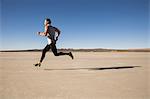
91,75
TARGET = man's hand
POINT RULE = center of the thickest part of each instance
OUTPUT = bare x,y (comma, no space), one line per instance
41,33
56,38
38,33
53,41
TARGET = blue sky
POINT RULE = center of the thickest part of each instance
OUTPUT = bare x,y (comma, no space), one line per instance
83,23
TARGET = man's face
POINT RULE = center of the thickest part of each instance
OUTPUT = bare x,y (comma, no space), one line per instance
45,22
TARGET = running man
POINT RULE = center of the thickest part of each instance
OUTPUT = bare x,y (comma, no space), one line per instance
51,32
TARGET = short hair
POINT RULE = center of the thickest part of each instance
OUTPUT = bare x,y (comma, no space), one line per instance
49,21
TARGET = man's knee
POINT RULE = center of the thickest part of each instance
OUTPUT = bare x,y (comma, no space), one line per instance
56,54
46,49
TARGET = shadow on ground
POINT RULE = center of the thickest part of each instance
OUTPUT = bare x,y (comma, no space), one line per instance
96,68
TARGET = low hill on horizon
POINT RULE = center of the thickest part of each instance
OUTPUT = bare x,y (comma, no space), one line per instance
85,50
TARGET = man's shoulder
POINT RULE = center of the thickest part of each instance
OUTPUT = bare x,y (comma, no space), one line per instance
55,28
52,26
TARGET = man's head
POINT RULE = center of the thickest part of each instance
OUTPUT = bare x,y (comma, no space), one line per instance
47,21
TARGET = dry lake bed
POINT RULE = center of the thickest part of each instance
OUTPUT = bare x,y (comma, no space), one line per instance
91,75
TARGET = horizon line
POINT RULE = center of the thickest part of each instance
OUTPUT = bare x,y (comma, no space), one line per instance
81,49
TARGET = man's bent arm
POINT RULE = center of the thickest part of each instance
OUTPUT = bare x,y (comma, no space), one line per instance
58,31
45,32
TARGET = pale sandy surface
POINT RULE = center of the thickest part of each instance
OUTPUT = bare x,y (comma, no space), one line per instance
85,77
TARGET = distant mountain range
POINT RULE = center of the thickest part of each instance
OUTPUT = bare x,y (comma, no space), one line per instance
85,50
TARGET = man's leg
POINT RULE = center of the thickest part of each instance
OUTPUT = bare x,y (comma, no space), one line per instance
54,50
47,48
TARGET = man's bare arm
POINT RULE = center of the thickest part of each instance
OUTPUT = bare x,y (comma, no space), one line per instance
58,31
44,33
